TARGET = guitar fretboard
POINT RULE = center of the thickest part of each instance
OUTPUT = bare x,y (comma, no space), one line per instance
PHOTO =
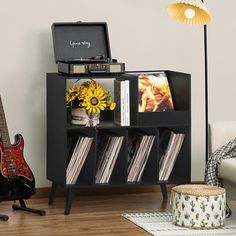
4,135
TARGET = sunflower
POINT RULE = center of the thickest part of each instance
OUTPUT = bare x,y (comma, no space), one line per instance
69,98
95,100
82,93
72,94
92,86
112,106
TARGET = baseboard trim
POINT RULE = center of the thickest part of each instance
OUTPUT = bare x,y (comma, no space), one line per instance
44,192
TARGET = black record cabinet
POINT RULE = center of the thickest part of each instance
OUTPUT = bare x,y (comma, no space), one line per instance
60,133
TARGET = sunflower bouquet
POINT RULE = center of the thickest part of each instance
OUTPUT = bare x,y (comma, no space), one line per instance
91,96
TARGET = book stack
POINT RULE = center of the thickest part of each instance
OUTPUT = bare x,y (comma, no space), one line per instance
107,156
139,148
169,155
122,99
77,159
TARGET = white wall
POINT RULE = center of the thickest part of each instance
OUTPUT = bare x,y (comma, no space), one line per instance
141,34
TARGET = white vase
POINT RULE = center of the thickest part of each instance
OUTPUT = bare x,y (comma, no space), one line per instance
79,116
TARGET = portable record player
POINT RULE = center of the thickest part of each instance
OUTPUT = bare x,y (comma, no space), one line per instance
83,48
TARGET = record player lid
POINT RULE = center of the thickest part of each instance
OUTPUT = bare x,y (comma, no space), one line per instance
80,41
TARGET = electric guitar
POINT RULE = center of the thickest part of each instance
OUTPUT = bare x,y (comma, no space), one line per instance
16,178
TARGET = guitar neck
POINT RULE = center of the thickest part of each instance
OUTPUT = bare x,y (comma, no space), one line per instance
4,134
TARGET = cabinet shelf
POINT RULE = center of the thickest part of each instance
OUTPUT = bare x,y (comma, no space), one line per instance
61,136
102,125
163,119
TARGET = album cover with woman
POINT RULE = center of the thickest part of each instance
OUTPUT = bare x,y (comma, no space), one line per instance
154,93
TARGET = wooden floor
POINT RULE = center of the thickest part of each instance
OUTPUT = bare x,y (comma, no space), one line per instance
90,215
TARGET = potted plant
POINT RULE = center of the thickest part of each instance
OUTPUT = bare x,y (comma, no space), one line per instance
87,101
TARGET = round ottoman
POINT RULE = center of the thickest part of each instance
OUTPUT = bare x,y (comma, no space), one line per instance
198,206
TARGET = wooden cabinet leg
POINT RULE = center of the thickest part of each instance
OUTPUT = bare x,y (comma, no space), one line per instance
69,198
53,193
164,191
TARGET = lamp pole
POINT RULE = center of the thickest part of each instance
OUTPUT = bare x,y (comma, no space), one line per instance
206,91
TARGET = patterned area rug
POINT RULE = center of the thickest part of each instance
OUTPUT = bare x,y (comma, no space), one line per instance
160,224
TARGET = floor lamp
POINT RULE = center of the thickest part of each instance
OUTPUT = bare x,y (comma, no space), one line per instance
194,12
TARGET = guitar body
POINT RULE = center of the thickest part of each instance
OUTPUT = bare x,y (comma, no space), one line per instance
16,178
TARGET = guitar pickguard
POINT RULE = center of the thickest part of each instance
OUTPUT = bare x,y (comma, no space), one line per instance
12,161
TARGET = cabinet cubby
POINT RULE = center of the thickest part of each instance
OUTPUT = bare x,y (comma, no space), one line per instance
86,176
181,170
118,175
149,175
62,136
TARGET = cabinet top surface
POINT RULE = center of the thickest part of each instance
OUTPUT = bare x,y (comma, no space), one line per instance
105,75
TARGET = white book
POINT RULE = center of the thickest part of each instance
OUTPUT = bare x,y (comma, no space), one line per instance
122,103
127,103
122,99
117,99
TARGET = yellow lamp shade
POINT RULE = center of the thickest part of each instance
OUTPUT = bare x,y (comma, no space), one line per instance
190,12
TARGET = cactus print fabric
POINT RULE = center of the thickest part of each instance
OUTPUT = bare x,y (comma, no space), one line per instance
215,159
